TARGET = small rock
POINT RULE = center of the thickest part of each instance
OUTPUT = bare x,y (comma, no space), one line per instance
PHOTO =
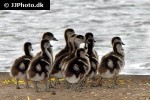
128,93
53,93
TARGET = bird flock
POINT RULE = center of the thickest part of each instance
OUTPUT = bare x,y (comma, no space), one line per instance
74,64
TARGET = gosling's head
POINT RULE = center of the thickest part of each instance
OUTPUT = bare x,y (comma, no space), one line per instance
89,35
49,36
81,52
45,44
79,39
91,42
118,48
28,48
69,32
116,39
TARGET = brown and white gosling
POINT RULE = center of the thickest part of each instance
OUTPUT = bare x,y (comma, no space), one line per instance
77,68
113,40
90,35
48,36
20,66
116,39
93,60
68,32
112,63
56,70
40,66
75,43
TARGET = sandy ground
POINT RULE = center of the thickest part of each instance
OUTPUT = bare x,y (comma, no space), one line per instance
129,88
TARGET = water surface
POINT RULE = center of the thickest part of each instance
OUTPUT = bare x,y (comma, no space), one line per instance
129,19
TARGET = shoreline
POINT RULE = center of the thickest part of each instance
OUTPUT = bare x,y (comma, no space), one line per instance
131,87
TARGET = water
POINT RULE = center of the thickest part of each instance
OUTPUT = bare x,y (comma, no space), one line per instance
129,19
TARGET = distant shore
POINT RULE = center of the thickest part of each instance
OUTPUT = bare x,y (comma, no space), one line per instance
131,87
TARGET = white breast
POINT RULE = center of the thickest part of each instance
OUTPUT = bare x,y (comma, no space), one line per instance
58,75
21,75
73,79
107,74
49,56
38,77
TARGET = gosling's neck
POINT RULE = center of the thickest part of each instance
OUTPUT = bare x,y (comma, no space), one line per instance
90,49
119,54
28,53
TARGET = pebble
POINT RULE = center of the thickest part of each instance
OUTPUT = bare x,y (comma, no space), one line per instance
53,93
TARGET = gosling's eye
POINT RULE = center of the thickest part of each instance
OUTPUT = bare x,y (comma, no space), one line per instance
69,32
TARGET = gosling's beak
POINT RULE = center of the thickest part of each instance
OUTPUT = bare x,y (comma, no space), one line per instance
123,43
87,55
55,39
50,45
86,41
86,47
94,40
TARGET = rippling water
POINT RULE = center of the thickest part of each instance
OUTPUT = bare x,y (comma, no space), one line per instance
129,19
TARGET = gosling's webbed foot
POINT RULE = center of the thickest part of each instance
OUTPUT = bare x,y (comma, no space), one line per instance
36,90
27,86
93,85
47,90
58,81
51,86
17,87
112,86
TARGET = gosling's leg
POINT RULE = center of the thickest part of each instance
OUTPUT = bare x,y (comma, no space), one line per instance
99,82
83,83
78,86
115,80
35,85
55,83
46,84
114,83
26,82
68,85
17,84
92,82
50,84
58,82
75,87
